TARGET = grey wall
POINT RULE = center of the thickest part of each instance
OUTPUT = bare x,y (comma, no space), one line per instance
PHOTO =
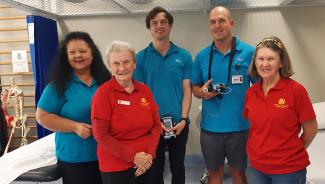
301,29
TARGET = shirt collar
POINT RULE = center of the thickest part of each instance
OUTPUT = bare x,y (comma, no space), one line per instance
239,47
119,88
172,49
278,86
77,79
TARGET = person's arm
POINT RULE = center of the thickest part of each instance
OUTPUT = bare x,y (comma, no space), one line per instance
47,114
57,123
103,137
309,132
186,105
156,129
141,160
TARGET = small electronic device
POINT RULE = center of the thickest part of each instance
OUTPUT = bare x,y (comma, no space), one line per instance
219,88
168,123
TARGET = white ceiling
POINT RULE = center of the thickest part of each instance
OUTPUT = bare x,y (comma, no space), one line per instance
62,8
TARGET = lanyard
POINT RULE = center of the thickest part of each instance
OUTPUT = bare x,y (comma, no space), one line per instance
232,54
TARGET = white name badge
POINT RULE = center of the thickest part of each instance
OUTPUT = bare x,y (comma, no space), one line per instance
237,79
123,102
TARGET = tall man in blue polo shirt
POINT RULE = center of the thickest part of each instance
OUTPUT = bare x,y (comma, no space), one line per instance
219,77
166,69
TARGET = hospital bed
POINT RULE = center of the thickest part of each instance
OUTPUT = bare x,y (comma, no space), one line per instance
34,162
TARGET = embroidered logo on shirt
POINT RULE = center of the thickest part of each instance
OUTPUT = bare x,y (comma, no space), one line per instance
178,61
281,104
144,102
123,102
240,59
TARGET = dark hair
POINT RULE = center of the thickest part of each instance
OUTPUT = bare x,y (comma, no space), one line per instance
61,73
154,12
274,43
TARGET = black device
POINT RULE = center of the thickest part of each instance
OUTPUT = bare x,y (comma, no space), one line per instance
167,120
221,87
217,88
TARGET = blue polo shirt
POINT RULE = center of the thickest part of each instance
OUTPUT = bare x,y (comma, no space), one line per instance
75,105
164,75
225,114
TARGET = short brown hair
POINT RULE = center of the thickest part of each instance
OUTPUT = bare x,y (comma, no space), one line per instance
274,43
154,12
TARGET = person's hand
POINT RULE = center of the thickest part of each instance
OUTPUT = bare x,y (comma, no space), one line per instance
164,129
143,162
207,95
178,128
83,130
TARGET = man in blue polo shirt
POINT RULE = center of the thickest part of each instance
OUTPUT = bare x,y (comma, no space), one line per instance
220,78
166,69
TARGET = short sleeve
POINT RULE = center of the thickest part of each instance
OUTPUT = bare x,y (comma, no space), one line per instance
245,110
196,76
188,66
303,105
138,74
50,101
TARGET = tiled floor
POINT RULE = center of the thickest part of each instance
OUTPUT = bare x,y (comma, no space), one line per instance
194,170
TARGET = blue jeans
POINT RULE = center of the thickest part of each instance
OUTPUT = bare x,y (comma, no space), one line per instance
256,177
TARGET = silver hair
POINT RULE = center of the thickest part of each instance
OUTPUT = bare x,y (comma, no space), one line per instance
119,46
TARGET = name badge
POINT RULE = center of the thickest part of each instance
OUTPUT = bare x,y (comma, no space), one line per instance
237,79
123,102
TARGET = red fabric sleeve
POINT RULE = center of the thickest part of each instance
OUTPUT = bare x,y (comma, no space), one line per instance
245,110
101,105
102,136
101,111
303,105
156,129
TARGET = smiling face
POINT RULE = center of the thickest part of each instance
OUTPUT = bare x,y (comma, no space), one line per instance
220,24
268,63
160,27
79,55
122,65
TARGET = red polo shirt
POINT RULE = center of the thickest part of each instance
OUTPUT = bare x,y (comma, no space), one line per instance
124,124
273,145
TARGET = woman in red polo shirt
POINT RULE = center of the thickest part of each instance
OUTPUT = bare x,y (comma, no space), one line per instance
125,121
278,108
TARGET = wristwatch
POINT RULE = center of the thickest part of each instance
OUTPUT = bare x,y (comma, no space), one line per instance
185,119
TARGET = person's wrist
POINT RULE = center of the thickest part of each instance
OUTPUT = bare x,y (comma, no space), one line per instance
204,91
185,120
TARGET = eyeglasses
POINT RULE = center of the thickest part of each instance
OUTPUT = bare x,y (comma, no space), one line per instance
273,41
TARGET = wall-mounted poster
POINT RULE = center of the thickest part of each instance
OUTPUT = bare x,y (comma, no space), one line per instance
19,61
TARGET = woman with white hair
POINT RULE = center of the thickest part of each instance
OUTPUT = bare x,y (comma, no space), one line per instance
125,120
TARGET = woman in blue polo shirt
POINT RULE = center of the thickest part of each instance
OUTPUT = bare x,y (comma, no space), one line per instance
64,107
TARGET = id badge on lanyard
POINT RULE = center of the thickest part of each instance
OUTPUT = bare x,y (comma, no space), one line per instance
237,79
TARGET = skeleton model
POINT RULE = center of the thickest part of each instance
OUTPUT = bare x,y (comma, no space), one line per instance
14,96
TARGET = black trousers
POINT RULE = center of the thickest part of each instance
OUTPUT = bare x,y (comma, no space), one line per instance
127,177
176,149
80,173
